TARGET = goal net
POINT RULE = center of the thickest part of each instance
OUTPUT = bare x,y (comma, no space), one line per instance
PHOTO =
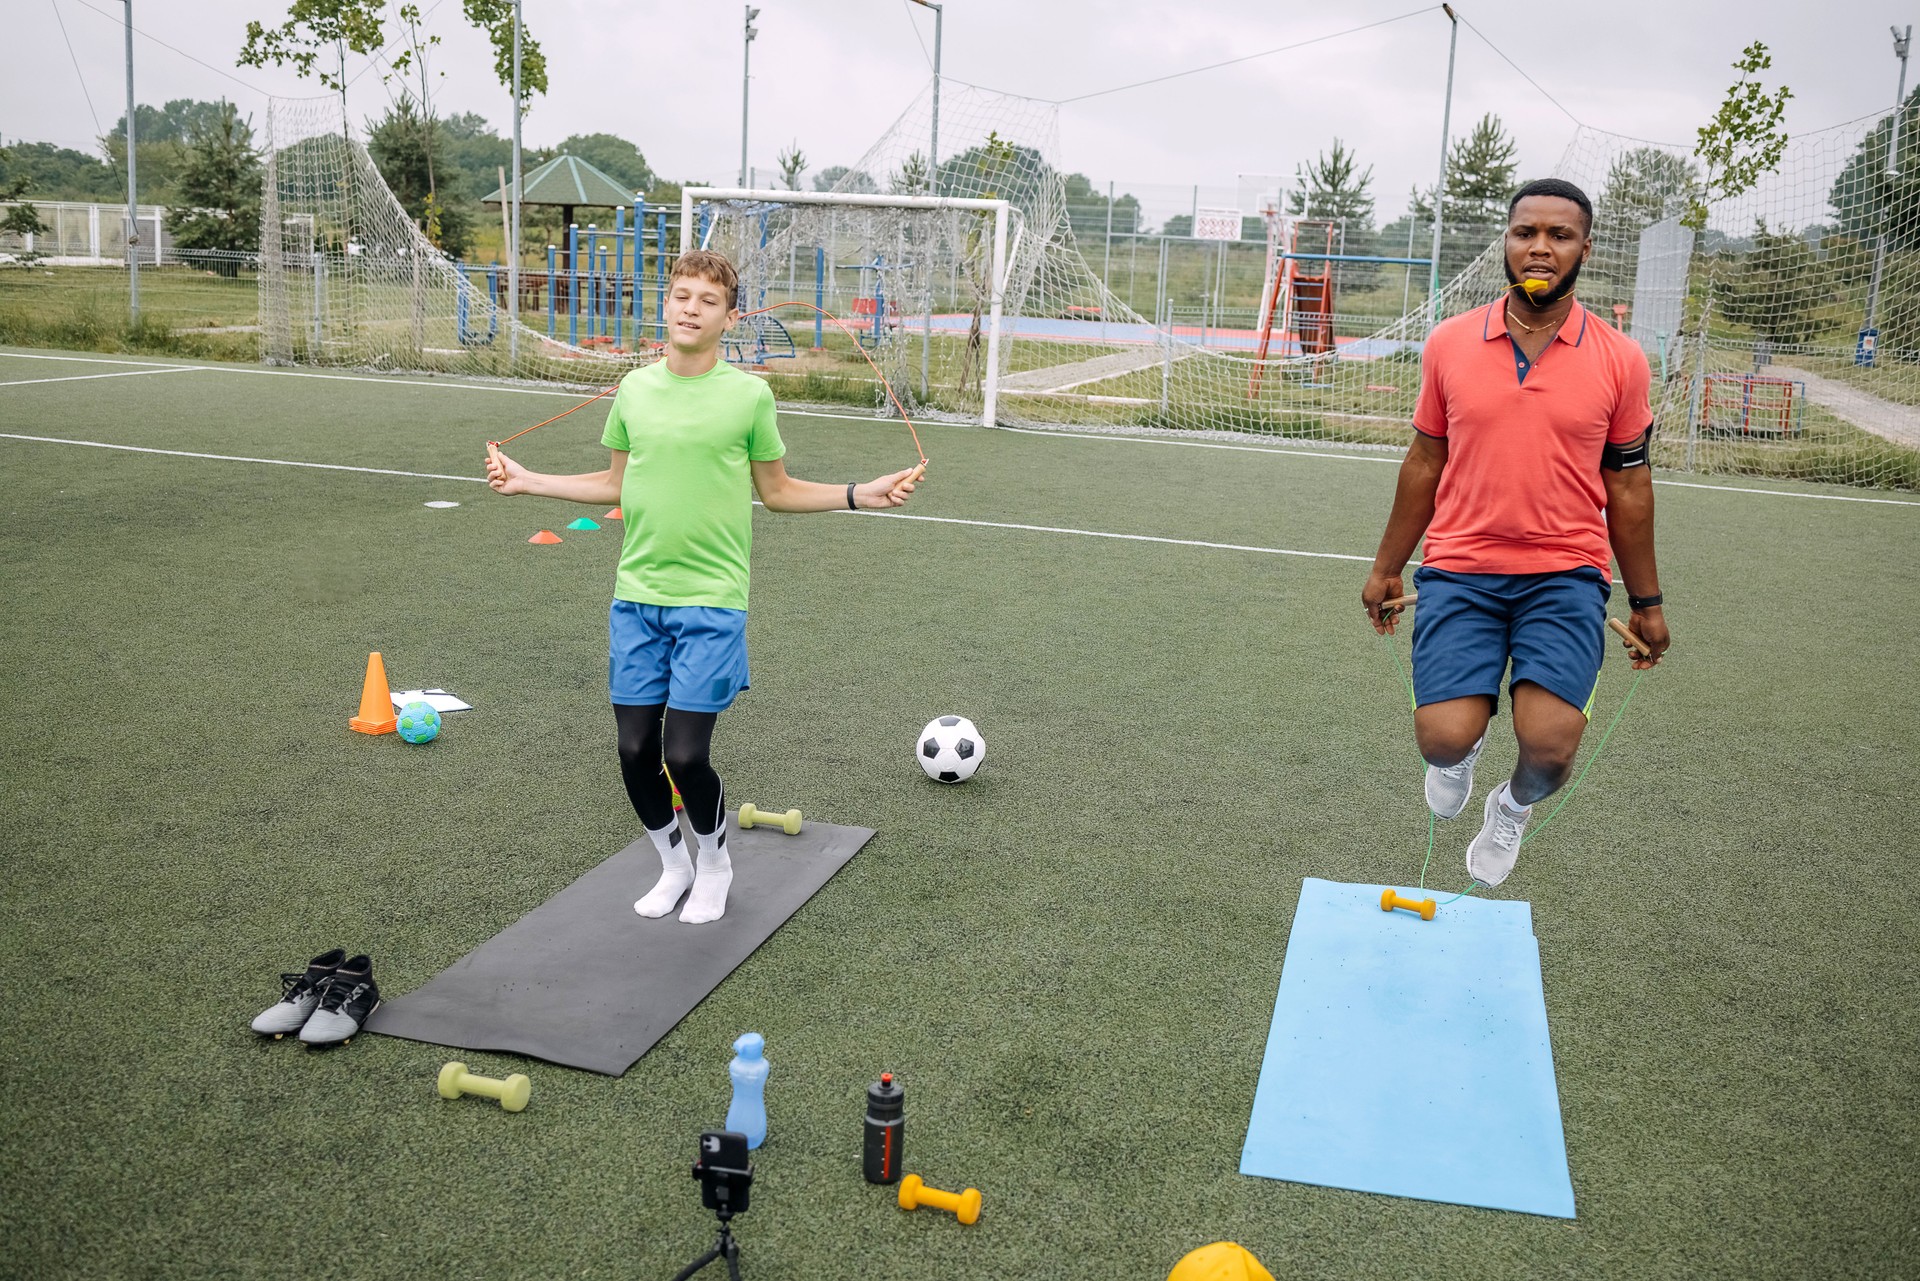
910,285
348,279
1812,277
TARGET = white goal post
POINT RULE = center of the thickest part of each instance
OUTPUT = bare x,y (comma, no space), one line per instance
1001,210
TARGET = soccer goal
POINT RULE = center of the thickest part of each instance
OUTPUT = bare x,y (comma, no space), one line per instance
916,284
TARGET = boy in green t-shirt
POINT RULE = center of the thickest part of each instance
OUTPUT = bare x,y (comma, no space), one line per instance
692,439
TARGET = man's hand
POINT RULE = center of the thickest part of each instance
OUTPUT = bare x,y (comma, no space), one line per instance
1381,587
888,491
503,474
1650,625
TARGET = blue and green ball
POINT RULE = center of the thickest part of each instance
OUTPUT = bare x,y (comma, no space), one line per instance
418,722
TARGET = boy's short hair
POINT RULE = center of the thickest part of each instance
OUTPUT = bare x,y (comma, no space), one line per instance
705,264
1558,188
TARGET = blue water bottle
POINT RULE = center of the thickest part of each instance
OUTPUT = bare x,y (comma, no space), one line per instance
747,1114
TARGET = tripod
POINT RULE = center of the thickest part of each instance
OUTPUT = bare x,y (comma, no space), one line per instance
724,1247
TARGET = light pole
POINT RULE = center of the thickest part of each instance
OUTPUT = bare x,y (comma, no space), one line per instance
938,17
746,57
513,223
133,207
1869,333
1440,190
933,185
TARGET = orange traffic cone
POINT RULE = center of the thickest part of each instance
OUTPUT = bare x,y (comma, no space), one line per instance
613,515
376,700
546,537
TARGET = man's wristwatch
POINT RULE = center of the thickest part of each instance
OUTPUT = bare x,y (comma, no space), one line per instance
1644,602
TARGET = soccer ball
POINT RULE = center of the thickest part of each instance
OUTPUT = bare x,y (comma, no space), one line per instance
950,749
418,722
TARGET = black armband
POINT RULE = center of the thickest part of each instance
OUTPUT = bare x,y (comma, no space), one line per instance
1620,457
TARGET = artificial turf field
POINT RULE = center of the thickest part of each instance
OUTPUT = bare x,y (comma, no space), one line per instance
1071,960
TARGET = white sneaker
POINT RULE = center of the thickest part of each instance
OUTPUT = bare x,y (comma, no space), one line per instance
1491,857
299,995
1448,787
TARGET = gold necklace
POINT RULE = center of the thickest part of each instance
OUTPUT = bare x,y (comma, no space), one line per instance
1532,329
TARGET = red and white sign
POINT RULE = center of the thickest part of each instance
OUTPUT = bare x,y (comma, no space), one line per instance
1216,224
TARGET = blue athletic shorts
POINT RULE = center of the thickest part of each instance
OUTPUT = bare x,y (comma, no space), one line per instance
1466,626
687,656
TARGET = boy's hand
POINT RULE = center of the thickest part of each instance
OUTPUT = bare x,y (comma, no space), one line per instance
888,491
503,474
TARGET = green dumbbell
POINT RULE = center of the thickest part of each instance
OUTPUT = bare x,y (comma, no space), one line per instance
513,1092
788,822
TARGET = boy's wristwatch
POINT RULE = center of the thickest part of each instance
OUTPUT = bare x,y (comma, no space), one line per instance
1644,602
850,503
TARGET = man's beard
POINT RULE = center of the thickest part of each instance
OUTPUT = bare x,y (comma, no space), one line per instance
1553,295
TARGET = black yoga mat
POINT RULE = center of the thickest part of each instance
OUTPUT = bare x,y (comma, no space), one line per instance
584,981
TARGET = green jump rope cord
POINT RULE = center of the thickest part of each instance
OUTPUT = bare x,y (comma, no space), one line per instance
1566,796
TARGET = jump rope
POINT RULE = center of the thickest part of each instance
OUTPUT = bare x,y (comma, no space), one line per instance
1391,609
1397,606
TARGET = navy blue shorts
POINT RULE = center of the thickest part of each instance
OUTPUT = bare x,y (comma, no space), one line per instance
692,657
1466,626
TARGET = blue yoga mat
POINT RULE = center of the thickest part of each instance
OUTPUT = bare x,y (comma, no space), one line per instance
1411,1057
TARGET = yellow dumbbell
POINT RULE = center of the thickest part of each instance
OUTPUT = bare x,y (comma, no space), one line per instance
788,822
513,1092
964,1206
1425,906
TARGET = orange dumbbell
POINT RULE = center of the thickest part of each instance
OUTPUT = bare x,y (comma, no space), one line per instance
964,1206
1425,906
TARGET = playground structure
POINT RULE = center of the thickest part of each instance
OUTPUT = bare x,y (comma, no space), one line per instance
1752,405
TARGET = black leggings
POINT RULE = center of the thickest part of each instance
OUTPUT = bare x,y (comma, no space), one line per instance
687,750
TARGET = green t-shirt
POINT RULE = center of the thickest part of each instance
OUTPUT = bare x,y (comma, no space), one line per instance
687,497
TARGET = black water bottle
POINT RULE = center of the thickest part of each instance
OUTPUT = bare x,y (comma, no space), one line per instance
886,1130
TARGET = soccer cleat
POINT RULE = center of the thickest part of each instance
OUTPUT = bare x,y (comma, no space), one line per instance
346,999
299,994
1448,787
1496,849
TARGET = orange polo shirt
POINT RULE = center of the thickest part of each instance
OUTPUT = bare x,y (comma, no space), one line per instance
1521,492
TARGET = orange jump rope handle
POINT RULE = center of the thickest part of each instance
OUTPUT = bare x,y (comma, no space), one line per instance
1425,906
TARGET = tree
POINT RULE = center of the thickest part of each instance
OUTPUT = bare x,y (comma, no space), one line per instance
793,163
614,156
22,219
404,151
1087,210
313,28
910,179
1178,225
178,121
1869,201
474,150
1330,188
841,178
1480,169
1643,186
1776,289
1743,141
219,188
495,17
61,173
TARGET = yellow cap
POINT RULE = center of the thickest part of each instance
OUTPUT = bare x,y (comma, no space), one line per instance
1221,1261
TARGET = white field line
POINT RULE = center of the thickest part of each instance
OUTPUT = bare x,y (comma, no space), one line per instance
941,520
80,378
235,458
802,413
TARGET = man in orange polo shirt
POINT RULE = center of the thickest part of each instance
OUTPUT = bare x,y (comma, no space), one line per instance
1529,461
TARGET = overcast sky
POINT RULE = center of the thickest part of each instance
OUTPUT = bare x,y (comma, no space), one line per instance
831,75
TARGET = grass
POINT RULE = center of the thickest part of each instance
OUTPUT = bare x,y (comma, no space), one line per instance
1071,960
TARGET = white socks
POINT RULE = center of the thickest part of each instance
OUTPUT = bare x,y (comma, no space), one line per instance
708,902
676,872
